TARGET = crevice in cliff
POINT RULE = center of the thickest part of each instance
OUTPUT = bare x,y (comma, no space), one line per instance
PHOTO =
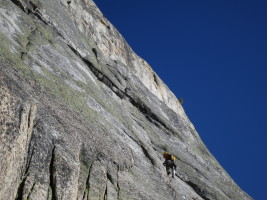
27,116
192,167
35,11
19,195
155,79
106,192
197,189
118,78
148,155
31,190
33,6
52,183
100,76
29,161
94,51
105,23
29,8
153,118
109,177
31,149
87,188
19,4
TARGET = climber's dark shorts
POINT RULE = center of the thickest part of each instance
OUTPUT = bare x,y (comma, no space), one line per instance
170,167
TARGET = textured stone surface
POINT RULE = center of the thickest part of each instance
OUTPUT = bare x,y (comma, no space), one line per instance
83,117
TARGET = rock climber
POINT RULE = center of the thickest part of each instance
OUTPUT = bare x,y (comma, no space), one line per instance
169,163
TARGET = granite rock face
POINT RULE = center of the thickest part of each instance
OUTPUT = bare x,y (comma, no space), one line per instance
83,117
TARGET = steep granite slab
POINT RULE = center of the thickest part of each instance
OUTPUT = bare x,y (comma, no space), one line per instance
83,117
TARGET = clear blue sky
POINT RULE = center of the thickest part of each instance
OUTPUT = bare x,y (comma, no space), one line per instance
213,54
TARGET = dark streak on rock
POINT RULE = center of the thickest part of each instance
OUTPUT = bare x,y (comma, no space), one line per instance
153,118
155,79
148,155
52,183
29,160
87,182
37,13
101,77
106,192
31,190
20,188
109,177
19,4
94,51
198,190
33,9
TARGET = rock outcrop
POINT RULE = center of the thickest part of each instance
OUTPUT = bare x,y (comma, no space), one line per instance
83,117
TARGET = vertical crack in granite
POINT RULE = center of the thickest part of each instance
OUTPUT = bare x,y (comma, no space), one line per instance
95,51
52,183
87,188
106,193
109,177
147,154
31,190
198,190
106,189
19,193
